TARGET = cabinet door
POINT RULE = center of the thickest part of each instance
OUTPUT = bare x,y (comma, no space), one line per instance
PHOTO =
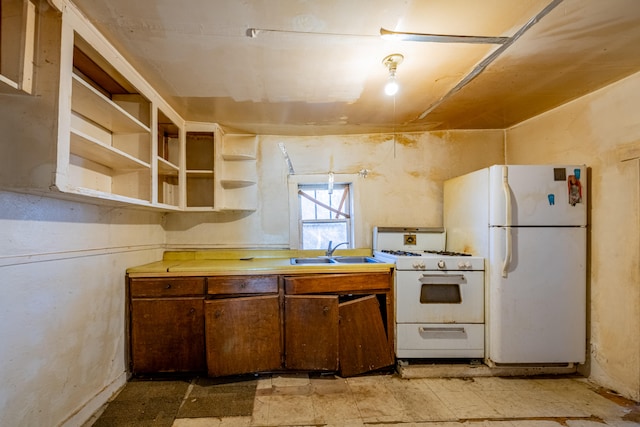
311,332
167,335
364,345
243,335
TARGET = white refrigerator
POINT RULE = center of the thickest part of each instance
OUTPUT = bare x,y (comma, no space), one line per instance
529,223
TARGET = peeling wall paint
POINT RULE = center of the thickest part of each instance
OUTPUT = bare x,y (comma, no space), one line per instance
403,187
598,130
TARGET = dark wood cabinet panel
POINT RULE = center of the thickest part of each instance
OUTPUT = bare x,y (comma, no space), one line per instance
311,332
338,283
167,287
167,335
364,345
243,335
237,285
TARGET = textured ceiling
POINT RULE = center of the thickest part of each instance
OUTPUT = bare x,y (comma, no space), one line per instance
315,67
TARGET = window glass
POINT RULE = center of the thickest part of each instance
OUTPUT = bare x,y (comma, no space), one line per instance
324,215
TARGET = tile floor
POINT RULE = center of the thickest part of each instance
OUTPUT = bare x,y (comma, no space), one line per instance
302,400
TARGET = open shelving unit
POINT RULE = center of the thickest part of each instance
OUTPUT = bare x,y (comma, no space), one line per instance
17,36
237,171
200,164
110,135
100,132
221,170
168,161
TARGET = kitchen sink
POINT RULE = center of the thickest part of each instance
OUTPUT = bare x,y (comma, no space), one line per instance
336,260
355,259
311,261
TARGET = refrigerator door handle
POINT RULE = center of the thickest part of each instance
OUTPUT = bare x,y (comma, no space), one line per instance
507,196
507,251
507,220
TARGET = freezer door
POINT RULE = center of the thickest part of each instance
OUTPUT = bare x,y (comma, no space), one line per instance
537,313
538,195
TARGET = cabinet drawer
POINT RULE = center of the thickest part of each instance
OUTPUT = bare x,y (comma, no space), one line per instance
332,283
427,340
224,285
166,287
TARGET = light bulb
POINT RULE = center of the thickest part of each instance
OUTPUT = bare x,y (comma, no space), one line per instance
391,88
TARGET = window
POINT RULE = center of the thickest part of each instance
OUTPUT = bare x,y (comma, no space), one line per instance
325,215
327,223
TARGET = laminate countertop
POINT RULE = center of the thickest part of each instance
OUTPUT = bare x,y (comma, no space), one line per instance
243,262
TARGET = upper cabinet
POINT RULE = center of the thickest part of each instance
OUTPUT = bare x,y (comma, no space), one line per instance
221,172
168,162
17,36
110,150
236,186
95,129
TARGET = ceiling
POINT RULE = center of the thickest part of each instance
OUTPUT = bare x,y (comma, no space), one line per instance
314,67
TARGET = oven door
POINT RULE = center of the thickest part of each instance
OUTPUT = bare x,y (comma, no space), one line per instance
439,296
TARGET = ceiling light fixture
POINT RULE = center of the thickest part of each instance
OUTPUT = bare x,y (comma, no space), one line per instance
391,62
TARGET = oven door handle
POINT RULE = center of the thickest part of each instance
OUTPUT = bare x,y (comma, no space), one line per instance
443,333
442,279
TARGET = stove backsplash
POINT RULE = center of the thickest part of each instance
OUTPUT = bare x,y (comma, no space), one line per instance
409,239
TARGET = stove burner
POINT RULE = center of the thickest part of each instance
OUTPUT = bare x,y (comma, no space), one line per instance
400,253
447,253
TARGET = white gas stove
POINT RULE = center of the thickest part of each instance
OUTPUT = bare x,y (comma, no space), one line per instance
420,248
439,295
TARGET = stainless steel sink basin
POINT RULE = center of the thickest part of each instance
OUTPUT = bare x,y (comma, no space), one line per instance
336,260
312,261
355,259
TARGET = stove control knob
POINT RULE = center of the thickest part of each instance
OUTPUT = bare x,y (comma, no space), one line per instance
441,264
419,265
464,264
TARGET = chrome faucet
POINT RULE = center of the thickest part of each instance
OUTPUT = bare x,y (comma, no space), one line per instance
330,250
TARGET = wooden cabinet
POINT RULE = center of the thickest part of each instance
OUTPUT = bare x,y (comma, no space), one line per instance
262,323
168,160
111,154
118,141
243,325
236,186
243,335
200,148
221,170
96,130
167,325
311,332
353,327
364,344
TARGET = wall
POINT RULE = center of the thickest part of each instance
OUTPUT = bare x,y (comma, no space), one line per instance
403,186
601,130
63,304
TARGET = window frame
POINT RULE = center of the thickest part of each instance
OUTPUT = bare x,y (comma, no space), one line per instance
295,224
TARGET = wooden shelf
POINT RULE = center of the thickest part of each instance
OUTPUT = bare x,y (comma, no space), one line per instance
167,168
103,195
90,103
237,157
8,86
200,174
236,183
89,148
